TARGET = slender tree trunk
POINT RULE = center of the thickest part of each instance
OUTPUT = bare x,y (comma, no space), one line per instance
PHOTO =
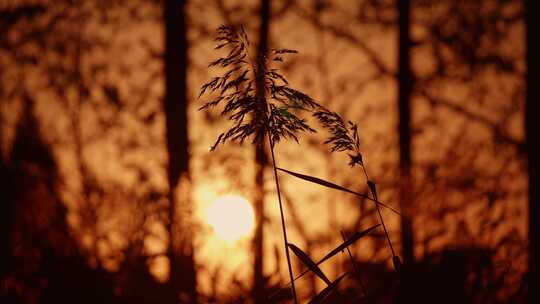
260,164
6,211
258,241
182,277
405,82
532,125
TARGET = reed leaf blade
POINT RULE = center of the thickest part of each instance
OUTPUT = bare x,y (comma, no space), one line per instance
348,242
319,181
306,260
331,185
319,298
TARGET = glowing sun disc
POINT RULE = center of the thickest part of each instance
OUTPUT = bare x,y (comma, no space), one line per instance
231,217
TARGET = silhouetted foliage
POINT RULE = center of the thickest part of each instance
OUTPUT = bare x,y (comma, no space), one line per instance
272,122
274,116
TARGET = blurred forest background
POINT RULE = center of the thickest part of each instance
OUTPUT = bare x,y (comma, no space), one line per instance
105,163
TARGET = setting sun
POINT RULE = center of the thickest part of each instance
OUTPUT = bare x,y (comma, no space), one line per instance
231,217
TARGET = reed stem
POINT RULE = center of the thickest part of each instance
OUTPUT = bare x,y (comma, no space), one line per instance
376,198
283,221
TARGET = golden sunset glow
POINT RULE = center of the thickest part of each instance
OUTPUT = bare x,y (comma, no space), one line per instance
231,217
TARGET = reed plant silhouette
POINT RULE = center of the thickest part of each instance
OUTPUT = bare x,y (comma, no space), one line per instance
263,106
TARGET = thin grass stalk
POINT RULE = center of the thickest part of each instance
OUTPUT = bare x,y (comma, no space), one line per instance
283,226
379,212
385,231
356,269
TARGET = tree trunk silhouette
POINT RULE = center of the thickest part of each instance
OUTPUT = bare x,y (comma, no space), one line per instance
6,211
531,125
260,164
182,278
405,83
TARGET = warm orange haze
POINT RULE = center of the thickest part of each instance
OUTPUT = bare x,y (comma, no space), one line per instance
194,151
231,217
